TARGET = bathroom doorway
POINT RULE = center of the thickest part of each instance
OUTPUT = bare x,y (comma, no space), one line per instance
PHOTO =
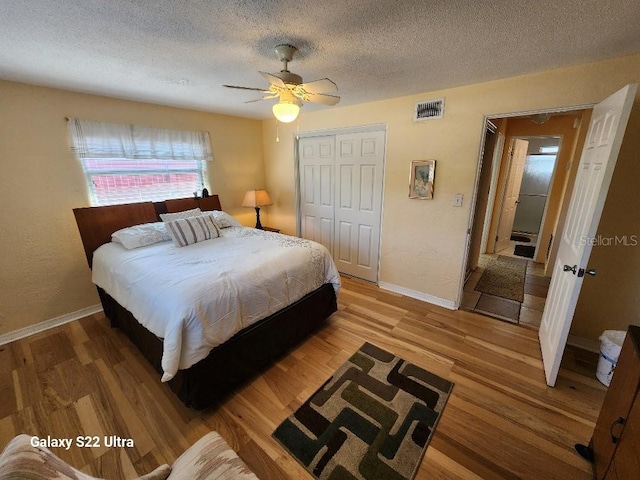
531,203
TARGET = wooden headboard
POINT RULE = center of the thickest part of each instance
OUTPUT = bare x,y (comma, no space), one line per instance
96,224
181,204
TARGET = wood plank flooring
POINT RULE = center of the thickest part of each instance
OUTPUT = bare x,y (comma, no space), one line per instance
501,421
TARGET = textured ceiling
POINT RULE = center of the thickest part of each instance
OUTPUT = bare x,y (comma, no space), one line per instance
181,52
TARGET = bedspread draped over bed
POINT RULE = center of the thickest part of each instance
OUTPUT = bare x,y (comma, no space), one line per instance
199,296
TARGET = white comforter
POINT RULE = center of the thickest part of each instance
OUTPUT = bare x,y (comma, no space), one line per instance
199,296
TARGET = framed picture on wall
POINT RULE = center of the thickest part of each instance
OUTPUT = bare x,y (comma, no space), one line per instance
421,180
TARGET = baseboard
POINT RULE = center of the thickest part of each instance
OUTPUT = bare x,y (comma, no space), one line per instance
48,324
448,304
584,343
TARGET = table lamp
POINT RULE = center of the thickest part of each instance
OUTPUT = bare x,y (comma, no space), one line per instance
257,199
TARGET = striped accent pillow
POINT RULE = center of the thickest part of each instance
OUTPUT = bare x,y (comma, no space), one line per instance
186,231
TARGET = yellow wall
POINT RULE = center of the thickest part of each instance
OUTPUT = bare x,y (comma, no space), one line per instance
423,242
43,271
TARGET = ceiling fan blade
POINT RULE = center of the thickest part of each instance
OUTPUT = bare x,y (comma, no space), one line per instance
322,99
323,85
273,79
248,88
261,98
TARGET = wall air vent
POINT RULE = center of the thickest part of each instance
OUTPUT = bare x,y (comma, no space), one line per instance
429,109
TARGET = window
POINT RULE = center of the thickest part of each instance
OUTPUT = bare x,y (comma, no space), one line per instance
129,163
120,180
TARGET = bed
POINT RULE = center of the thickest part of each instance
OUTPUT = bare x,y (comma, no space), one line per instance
199,381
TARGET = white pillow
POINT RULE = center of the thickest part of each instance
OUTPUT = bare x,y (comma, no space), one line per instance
168,217
224,220
186,231
141,235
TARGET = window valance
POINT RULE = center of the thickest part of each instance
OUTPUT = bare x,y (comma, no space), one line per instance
92,139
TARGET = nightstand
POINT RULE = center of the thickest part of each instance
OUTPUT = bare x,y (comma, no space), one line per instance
269,229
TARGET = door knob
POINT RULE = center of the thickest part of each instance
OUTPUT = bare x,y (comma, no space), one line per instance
590,272
573,269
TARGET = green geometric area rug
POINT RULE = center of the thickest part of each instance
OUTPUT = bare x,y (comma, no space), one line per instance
371,420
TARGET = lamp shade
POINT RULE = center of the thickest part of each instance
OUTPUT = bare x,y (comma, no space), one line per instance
256,198
286,112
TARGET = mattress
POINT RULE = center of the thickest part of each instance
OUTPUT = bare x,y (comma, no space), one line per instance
196,297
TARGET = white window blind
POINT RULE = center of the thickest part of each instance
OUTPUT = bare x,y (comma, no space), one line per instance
132,163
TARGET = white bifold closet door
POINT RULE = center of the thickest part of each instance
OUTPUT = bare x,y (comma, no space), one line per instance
341,181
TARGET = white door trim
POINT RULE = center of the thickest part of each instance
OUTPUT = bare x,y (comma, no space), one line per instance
374,127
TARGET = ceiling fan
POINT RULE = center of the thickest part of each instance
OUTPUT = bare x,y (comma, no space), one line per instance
290,90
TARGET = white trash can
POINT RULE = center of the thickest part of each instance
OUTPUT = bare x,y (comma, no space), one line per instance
610,346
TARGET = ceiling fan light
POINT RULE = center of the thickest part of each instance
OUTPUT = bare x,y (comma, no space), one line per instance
286,112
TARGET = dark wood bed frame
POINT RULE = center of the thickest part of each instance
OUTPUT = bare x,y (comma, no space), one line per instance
229,364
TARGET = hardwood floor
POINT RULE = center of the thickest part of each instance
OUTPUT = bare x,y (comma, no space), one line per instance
501,420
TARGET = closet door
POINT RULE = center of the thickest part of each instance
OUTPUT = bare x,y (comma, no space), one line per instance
316,170
358,203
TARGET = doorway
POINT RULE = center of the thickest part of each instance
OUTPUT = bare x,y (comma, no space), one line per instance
507,259
531,202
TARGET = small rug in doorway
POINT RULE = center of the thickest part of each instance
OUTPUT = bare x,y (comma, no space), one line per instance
520,238
372,419
524,250
503,278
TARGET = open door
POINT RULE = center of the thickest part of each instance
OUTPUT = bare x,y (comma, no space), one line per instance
512,190
606,129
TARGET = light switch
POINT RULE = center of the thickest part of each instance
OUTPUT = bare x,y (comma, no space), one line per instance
457,199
